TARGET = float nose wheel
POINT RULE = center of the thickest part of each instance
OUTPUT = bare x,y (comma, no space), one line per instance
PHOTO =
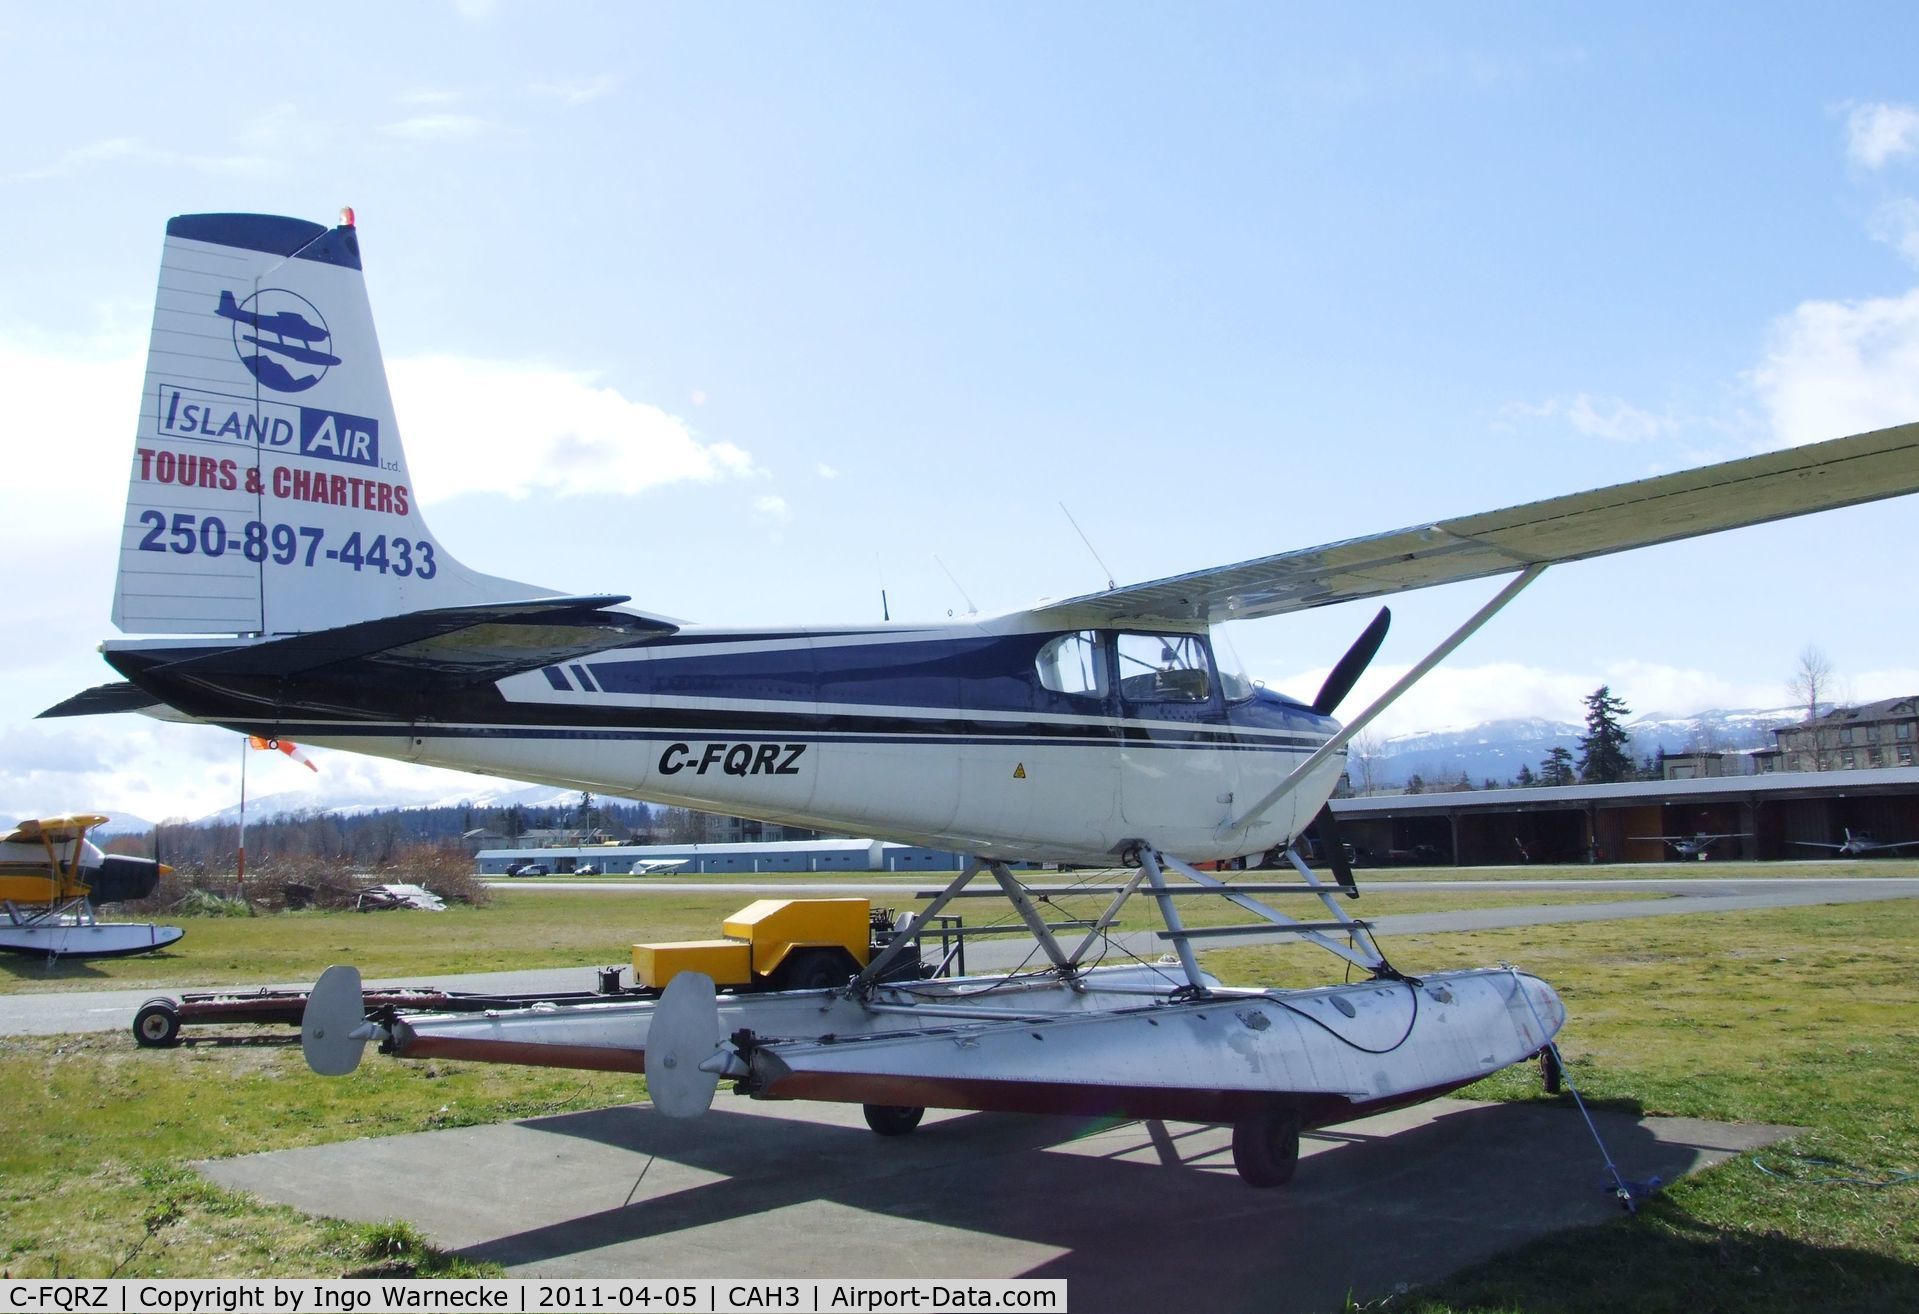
1266,1147
1551,1075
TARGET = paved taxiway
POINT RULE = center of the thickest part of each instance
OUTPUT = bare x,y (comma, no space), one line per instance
109,1010
1136,1216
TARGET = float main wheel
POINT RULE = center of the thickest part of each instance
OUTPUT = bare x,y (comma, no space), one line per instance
1266,1147
892,1119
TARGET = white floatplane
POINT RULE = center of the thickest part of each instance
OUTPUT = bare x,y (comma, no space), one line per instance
275,560
52,879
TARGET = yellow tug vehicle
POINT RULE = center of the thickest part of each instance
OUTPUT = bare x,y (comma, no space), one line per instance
771,944
52,878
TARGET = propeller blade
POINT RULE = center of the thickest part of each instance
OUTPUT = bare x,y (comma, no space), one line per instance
1325,833
1341,679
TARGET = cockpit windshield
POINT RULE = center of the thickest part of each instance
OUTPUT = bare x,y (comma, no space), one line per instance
1234,684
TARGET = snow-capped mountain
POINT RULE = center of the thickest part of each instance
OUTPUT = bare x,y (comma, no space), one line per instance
1497,749
265,807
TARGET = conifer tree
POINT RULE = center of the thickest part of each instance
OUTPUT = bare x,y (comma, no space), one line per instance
1603,755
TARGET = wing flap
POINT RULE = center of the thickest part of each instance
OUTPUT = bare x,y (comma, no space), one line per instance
1662,509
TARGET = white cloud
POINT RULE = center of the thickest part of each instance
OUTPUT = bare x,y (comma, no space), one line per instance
133,150
576,91
1896,223
1881,132
284,128
1455,697
436,127
1598,417
826,471
71,407
129,765
513,427
773,509
1839,367
428,96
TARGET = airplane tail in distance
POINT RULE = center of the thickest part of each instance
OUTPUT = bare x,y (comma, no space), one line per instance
269,492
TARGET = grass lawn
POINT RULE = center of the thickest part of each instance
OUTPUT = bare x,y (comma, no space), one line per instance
1800,1015
526,927
518,929
1804,1016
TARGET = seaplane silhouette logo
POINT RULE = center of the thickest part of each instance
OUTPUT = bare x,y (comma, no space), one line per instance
275,327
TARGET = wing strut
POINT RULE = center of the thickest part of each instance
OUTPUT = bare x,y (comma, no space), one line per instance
871,974
1385,700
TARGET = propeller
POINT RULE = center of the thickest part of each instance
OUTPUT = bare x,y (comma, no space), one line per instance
1325,833
1339,682
1346,672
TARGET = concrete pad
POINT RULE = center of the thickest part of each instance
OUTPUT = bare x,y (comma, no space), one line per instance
1145,1216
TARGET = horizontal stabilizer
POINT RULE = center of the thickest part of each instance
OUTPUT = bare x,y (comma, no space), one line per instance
120,696
450,645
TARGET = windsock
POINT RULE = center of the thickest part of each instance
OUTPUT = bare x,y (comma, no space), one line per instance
286,746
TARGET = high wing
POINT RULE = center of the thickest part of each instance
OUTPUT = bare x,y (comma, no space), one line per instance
55,830
1705,500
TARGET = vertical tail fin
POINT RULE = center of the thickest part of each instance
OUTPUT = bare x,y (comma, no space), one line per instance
269,491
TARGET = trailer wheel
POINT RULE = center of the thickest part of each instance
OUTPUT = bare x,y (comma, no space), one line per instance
814,969
892,1119
157,1024
1266,1147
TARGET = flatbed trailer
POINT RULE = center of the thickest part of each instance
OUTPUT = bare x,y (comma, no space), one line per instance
158,1022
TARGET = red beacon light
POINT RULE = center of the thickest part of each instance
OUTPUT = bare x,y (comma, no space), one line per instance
346,216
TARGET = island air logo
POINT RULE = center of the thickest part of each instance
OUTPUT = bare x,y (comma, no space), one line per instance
280,337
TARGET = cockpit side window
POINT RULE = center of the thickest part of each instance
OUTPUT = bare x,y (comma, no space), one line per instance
1074,664
1164,668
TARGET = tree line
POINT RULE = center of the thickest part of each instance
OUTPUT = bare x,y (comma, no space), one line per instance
375,839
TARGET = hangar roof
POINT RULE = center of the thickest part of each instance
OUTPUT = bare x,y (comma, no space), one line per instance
1637,793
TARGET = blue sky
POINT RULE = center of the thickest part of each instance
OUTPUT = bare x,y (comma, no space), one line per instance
746,310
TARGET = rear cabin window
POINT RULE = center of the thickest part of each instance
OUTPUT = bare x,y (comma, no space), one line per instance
1073,664
1163,668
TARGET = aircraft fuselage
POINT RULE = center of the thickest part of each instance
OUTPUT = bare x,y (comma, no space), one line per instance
986,736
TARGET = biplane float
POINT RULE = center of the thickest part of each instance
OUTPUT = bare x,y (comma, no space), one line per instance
281,581
52,880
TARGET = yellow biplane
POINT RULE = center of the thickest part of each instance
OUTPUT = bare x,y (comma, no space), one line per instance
51,880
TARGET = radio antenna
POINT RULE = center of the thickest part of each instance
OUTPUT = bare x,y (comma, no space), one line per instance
1104,568
971,609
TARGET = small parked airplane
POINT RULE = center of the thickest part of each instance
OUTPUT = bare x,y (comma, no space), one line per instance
656,866
275,557
51,880
1695,845
1858,846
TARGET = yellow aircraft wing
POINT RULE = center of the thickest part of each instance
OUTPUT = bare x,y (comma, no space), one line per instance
54,830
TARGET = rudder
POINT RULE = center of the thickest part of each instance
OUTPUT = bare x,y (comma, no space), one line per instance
269,491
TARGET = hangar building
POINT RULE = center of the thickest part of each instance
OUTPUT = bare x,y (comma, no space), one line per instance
1769,814
777,855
